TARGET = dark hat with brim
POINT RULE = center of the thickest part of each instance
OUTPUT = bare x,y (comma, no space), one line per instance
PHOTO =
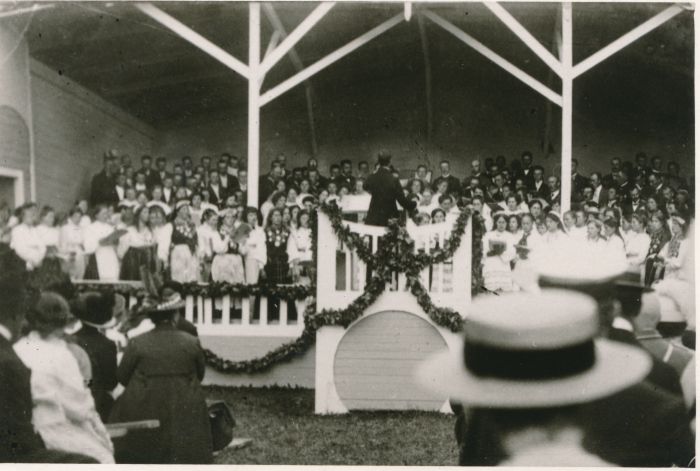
632,279
168,301
95,309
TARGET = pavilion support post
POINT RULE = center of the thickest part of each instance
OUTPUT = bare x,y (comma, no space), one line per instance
254,82
428,79
567,106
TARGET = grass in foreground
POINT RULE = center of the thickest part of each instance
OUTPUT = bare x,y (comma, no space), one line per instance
285,430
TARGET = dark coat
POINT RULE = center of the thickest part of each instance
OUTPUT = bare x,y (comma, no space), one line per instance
386,191
217,200
661,375
103,359
161,371
642,426
17,437
102,190
453,185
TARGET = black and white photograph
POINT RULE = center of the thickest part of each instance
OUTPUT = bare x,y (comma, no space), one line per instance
369,233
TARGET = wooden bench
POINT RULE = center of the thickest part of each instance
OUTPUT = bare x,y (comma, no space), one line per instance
120,429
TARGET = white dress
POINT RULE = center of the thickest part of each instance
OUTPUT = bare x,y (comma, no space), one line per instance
105,255
674,265
497,272
28,244
162,236
254,250
63,408
71,249
299,245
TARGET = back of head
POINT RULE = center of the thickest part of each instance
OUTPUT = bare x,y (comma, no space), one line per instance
384,158
51,312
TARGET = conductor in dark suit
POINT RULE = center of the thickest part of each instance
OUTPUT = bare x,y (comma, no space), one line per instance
386,191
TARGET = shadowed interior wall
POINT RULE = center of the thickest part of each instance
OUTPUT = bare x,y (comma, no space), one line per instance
479,111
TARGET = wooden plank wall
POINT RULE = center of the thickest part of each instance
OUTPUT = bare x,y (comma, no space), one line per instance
376,360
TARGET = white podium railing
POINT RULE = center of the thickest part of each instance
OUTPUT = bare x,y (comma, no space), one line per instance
342,275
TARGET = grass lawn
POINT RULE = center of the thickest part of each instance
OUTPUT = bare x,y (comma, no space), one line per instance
285,430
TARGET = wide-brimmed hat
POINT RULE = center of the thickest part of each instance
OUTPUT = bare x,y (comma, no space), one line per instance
533,351
566,265
169,300
632,279
95,309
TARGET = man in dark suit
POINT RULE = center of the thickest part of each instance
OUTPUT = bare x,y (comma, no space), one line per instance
102,185
217,193
95,311
161,172
228,182
453,185
267,183
578,181
634,203
526,171
386,191
345,178
151,174
554,193
539,187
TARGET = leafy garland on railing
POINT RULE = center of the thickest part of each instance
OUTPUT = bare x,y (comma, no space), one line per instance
209,290
385,264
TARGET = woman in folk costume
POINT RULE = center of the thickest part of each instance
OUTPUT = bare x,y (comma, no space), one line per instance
300,250
276,236
498,250
64,411
658,236
254,247
101,239
184,266
673,254
71,244
637,244
161,371
228,264
137,248
52,266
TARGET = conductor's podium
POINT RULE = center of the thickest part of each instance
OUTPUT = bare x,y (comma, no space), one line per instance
370,364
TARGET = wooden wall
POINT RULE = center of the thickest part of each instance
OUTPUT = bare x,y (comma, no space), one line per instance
73,127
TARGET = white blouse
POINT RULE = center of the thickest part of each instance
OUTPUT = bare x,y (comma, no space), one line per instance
210,241
28,244
162,236
255,245
49,235
71,239
636,248
299,245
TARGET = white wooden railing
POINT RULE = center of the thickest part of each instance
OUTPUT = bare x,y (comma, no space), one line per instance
233,316
342,276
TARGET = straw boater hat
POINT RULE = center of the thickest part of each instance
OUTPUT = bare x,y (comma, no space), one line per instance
533,351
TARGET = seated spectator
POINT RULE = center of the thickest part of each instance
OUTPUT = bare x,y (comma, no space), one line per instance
64,411
533,414
658,236
637,244
25,239
95,311
161,372
672,254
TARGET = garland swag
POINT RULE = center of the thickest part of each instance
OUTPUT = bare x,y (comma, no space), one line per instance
395,254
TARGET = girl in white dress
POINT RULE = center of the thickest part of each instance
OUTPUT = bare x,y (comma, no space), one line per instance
101,240
613,241
70,245
254,248
498,253
63,412
25,239
300,250
227,263
638,241
162,234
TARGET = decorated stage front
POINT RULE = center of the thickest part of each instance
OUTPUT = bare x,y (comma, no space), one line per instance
385,299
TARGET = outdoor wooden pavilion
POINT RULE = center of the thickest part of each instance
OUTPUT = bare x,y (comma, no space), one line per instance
277,31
